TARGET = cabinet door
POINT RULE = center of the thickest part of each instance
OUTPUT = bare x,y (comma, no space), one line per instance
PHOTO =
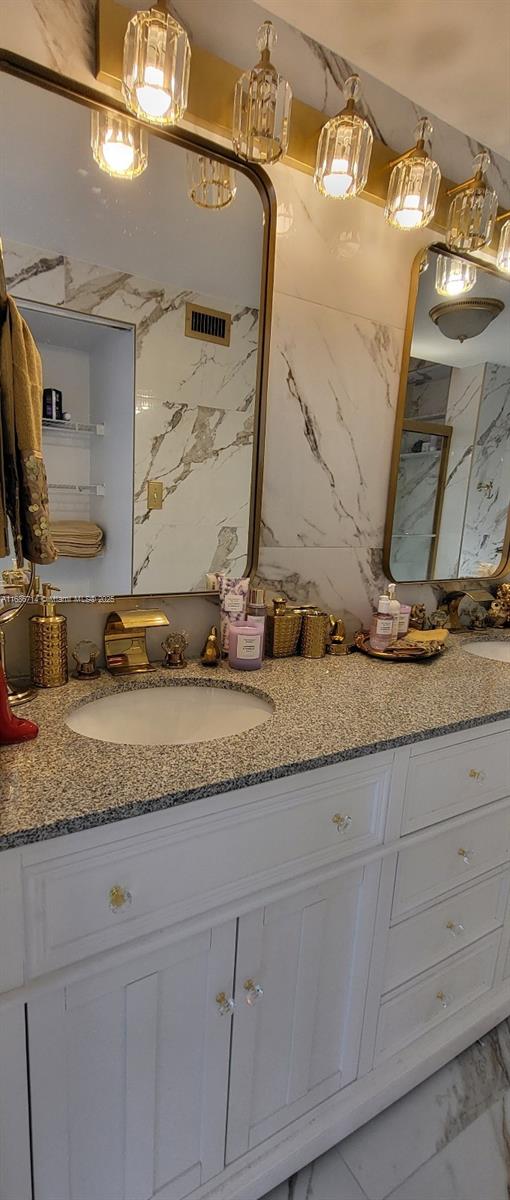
297,1042
129,1075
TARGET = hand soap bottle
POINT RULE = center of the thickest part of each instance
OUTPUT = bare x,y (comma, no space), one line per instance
394,610
48,644
382,625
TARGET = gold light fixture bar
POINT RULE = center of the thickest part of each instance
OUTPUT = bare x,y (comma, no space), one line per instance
210,106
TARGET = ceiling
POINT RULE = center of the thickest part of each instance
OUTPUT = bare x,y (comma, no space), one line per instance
451,57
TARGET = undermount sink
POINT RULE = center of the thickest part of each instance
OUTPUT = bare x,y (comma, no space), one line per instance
174,715
498,650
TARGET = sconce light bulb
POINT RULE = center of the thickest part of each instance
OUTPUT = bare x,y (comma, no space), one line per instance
409,216
503,256
119,156
337,181
152,98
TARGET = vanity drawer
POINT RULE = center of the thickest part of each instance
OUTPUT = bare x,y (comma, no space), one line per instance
421,941
444,782
416,1008
80,904
451,857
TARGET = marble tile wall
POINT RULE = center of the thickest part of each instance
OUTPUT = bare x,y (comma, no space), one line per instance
489,492
194,405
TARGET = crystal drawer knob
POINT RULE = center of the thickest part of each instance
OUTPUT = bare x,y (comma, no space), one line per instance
118,897
478,775
226,1004
342,822
252,991
455,928
466,855
444,998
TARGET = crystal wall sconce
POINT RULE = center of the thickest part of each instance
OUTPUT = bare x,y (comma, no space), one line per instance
211,184
503,255
473,210
454,276
262,106
119,146
345,146
156,66
414,184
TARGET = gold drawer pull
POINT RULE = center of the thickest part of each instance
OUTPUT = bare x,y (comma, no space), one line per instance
455,928
342,821
478,775
444,998
226,1004
118,896
466,855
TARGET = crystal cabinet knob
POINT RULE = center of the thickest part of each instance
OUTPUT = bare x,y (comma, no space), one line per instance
226,1004
444,998
342,821
455,928
252,991
478,775
118,897
466,855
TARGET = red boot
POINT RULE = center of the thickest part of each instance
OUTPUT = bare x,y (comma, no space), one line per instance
13,729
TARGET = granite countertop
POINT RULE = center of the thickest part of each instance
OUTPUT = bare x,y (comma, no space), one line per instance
325,711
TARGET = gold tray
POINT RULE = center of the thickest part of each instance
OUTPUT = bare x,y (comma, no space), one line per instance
405,654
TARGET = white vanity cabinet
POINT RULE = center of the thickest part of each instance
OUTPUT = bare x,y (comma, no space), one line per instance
129,1074
196,1002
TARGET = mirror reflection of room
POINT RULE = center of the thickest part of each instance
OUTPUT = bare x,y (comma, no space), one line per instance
453,486
148,331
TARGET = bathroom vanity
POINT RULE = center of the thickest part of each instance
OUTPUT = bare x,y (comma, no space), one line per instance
202,996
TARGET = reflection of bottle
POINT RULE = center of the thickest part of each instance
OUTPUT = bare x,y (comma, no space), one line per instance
52,404
394,610
382,625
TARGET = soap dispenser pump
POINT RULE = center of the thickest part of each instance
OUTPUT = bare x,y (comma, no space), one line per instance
48,643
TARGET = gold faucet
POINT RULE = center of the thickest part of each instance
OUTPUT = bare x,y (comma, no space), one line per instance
478,595
125,644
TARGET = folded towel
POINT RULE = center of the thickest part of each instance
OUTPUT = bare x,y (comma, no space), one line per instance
77,539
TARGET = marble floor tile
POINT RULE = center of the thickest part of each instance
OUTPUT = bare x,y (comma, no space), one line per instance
475,1166
386,1151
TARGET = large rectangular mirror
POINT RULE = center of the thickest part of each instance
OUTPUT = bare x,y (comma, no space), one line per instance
448,507
151,314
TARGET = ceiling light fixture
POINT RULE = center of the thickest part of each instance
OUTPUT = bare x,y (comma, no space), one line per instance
464,319
454,276
473,210
503,255
211,184
262,105
414,184
345,146
119,145
157,58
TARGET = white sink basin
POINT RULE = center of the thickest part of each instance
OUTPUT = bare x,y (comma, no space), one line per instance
170,716
488,649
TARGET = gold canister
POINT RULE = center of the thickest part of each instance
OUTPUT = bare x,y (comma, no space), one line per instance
314,634
48,645
283,627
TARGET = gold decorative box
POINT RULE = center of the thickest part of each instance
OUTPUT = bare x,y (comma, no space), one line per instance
283,628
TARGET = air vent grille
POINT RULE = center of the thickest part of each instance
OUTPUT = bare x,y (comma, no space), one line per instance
208,324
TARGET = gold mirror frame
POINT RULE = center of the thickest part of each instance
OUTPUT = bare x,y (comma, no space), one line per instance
35,73
400,422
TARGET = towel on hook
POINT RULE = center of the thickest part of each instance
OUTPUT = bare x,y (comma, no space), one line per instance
23,483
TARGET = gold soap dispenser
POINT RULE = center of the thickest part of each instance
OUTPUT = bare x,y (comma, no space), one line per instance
48,644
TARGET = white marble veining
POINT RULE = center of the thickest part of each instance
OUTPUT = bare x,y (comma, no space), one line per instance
194,415
462,414
487,504
333,385
448,1139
